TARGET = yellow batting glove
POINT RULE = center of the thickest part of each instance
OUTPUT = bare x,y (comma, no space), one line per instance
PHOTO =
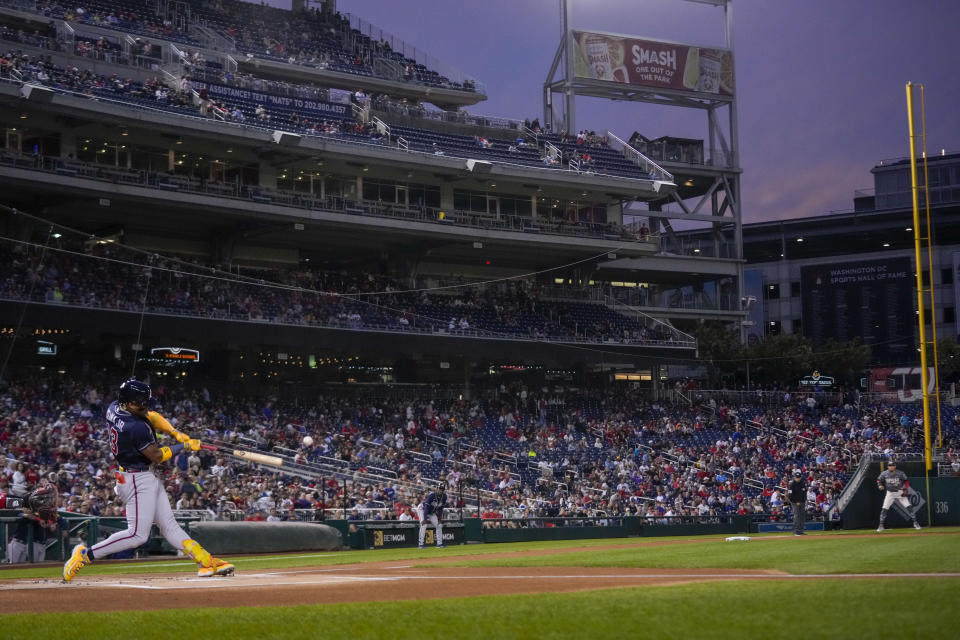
191,444
181,437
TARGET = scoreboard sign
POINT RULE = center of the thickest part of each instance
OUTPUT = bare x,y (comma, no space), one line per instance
870,300
175,354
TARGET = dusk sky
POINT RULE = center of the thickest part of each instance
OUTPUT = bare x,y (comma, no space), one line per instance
820,83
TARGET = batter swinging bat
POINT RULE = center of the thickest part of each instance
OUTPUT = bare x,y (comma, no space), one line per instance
262,458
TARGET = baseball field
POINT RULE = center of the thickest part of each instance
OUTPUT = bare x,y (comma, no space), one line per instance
838,585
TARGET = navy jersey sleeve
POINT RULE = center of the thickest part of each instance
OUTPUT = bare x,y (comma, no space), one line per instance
141,435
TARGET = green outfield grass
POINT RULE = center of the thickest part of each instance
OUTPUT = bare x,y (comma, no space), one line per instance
808,608
889,553
810,554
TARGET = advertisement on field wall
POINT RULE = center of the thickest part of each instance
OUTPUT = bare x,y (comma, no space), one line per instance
652,63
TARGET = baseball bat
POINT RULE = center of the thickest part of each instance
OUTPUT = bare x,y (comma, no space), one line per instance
262,458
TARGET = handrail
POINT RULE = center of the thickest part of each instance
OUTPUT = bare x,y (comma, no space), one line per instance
613,304
552,151
642,161
173,54
172,81
360,113
381,126
402,143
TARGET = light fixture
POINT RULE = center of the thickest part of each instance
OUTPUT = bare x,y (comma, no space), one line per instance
56,235
124,132
179,140
229,149
909,229
886,244
365,169
688,183
23,116
799,239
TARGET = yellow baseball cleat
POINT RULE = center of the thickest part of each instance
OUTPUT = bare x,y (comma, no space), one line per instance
217,567
78,560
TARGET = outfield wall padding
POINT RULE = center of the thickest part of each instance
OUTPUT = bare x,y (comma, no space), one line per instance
864,508
223,538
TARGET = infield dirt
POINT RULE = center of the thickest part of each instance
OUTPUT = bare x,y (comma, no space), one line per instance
373,581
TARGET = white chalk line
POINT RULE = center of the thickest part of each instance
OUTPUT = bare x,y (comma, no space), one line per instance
186,561
260,580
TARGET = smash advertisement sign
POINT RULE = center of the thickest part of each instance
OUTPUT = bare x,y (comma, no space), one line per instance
652,63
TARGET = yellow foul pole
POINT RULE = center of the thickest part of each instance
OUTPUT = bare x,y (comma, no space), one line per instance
919,265
933,305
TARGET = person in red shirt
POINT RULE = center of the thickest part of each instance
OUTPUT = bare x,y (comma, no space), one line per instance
81,431
33,475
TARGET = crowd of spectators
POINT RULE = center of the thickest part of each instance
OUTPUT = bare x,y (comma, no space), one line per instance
310,37
109,276
526,451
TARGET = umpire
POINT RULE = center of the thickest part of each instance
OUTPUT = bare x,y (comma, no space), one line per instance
797,489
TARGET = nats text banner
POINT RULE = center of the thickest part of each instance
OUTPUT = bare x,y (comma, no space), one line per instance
651,63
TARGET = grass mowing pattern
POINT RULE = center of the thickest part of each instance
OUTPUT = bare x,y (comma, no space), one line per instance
810,554
924,608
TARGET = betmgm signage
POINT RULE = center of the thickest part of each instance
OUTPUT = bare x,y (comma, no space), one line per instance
816,381
393,536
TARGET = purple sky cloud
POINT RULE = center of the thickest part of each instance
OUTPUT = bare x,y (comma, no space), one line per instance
820,82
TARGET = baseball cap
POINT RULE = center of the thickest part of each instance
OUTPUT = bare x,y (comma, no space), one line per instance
892,463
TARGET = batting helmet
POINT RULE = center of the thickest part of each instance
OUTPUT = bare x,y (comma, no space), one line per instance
43,498
136,392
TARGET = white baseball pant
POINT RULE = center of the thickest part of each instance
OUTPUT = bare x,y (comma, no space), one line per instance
17,551
146,503
431,519
898,497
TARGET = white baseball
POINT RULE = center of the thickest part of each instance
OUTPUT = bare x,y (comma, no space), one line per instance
307,441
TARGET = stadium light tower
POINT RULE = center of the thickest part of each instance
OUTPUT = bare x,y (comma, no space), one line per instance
638,69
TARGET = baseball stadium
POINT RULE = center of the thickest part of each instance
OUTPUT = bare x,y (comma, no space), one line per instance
296,342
